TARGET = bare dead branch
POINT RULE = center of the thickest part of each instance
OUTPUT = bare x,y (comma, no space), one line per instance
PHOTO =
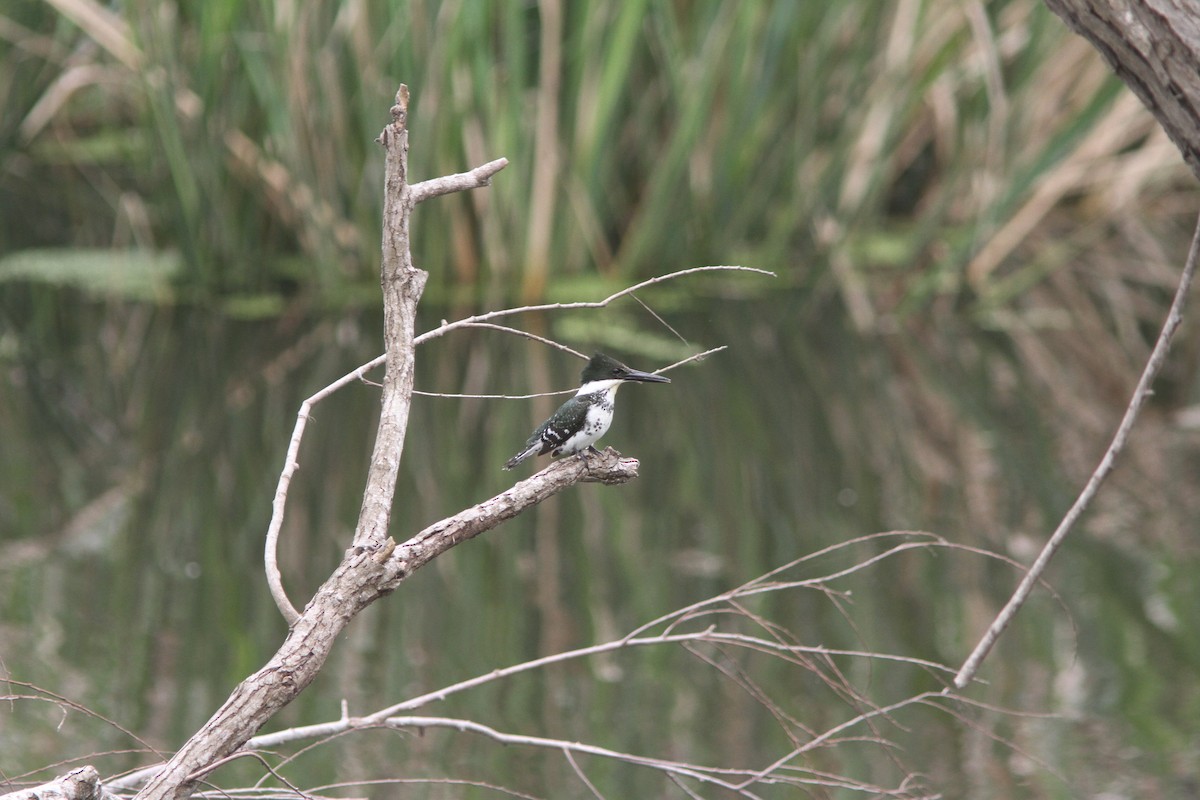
708,613
348,723
365,575
1158,357
1153,47
402,284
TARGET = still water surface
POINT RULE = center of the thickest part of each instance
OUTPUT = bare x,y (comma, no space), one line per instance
141,447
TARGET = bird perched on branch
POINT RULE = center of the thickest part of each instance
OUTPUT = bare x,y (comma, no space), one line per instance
584,418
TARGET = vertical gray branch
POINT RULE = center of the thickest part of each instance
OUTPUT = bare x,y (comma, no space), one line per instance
402,285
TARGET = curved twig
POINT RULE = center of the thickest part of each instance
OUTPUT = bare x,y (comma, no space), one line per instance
291,463
446,327
455,396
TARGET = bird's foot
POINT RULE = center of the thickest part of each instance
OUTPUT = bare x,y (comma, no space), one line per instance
588,453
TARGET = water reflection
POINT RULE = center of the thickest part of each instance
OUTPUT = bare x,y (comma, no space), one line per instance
142,445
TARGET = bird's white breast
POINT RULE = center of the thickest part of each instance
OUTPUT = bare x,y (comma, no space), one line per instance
596,421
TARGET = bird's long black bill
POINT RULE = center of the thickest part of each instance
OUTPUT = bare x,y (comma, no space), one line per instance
646,377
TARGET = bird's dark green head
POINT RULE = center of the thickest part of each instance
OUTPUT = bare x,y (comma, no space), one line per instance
607,368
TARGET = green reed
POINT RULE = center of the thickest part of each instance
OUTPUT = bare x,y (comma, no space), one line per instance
874,149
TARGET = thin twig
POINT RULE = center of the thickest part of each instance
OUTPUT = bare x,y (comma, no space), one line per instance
240,754
460,396
518,332
717,776
763,582
389,782
454,396
675,779
661,321
884,711
579,772
1143,391
706,774
696,357
445,328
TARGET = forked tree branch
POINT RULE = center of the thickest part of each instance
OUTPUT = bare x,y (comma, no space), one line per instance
374,565
1140,394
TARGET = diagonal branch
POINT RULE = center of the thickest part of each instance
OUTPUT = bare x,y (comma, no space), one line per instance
365,575
1153,365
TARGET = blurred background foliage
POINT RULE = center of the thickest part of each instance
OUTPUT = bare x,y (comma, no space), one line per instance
892,154
976,230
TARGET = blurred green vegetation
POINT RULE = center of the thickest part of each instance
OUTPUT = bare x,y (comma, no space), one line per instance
976,230
887,153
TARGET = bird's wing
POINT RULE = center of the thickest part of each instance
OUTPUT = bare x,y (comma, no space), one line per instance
550,436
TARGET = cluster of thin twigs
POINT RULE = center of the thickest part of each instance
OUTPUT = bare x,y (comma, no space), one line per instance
716,631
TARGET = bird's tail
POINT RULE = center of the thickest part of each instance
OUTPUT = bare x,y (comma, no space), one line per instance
521,456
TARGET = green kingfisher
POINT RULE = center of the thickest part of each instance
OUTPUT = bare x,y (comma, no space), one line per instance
584,418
